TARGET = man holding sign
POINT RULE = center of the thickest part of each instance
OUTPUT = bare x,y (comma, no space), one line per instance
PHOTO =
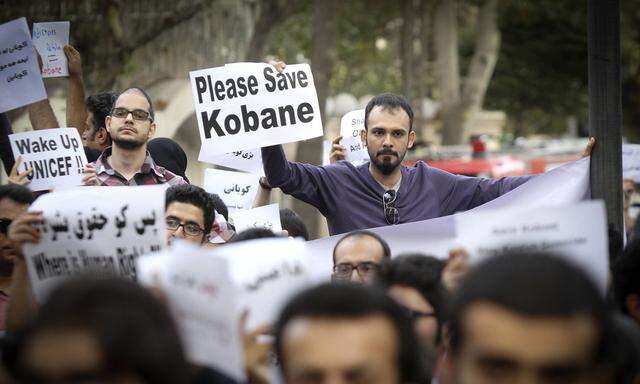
127,162
382,191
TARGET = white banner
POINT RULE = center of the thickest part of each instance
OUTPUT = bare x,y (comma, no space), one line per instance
631,162
49,39
20,80
203,300
247,106
248,160
237,189
94,228
267,216
55,155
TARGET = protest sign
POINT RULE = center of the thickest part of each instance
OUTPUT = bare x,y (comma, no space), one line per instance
267,217
578,232
248,160
326,150
631,162
20,80
49,39
267,272
247,106
55,155
355,151
237,189
203,300
94,228
561,186
352,123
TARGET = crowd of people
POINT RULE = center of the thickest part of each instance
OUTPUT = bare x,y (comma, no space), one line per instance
383,317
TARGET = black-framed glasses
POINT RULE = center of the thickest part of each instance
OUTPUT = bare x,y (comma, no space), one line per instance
138,114
191,229
415,315
391,214
4,225
343,271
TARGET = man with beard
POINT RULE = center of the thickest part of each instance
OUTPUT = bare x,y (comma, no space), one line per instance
381,192
127,162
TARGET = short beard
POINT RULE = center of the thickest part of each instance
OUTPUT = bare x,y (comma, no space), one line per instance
385,167
127,144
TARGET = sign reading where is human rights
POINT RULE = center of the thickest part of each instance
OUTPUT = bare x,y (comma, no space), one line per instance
252,105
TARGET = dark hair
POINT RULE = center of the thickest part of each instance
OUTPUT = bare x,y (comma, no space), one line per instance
253,234
191,194
293,224
141,92
136,333
386,251
221,207
17,193
353,301
422,273
626,274
530,284
391,101
168,154
100,105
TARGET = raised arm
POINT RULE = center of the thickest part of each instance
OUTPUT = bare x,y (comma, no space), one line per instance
41,114
76,111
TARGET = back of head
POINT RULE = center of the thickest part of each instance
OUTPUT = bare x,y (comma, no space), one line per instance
626,278
134,331
16,193
194,195
531,285
100,105
351,301
293,224
169,155
253,234
390,101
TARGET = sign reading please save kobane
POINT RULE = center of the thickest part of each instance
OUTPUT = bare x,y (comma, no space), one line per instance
94,228
240,107
56,157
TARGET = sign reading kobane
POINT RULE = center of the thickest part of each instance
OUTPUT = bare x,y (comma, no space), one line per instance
241,107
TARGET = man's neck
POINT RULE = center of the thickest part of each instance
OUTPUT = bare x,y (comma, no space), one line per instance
388,181
127,162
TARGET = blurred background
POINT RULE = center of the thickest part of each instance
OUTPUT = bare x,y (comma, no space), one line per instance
498,87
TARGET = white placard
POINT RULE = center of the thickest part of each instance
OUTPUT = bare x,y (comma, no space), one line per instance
578,232
55,155
242,107
101,228
268,272
267,217
631,162
237,189
355,151
203,300
352,123
248,160
50,39
326,150
20,80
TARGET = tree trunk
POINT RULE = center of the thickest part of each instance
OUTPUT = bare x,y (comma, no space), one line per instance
323,56
406,49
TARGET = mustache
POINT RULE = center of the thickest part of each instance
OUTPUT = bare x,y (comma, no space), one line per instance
387,151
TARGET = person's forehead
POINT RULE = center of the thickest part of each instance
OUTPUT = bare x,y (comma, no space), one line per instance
10,209
359,248
388,117
495,330
185,212
360,340
132,100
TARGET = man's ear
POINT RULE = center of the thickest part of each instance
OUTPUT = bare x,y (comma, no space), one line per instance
412,138
107,124
363,136
152,131
102,136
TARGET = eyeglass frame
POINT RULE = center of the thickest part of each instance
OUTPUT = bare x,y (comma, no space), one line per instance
375,268
184,226
415,315
129,111
388,208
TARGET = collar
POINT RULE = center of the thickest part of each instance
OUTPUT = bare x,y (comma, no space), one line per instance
103,166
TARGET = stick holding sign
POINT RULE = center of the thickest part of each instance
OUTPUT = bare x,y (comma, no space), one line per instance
241,107
56,157
20,80
49,39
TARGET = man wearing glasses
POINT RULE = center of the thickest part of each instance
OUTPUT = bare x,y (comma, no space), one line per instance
127,162
189,213
381,192
357,257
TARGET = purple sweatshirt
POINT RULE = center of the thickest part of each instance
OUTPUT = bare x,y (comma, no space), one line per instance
351,199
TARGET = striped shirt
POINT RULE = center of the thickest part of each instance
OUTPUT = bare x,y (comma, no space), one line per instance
150,173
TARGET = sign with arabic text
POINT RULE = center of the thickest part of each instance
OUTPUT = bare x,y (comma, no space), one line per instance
237,189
